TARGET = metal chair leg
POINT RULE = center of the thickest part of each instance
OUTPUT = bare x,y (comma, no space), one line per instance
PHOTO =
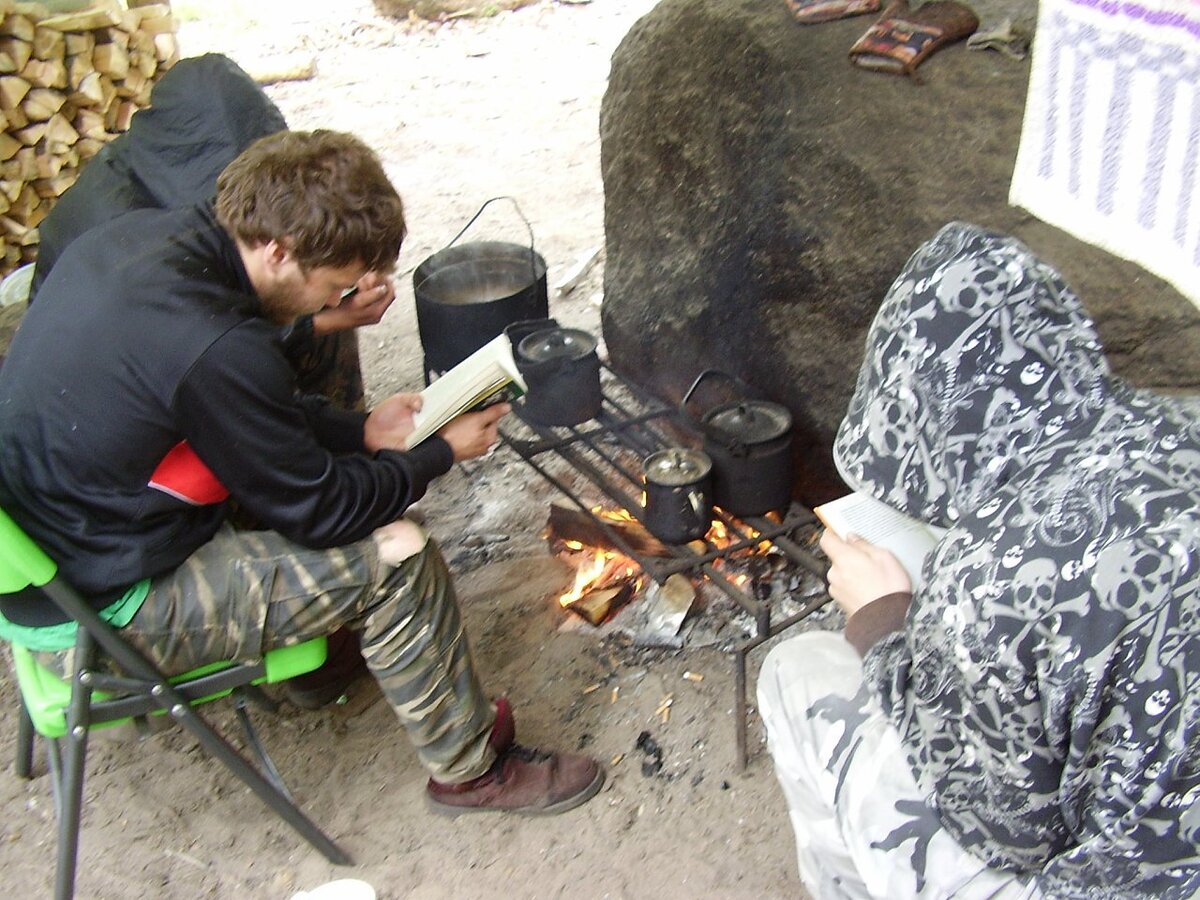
265,763
71,803
259,784
258,697
24,762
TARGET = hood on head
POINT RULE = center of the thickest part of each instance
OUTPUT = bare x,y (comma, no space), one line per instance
203,113
979,356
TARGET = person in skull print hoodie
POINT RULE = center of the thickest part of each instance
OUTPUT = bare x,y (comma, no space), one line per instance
1044,680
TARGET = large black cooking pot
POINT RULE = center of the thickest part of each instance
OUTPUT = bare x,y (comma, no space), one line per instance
466,295
750,443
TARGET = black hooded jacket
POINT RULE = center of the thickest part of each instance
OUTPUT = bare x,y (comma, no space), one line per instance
202,114
144,388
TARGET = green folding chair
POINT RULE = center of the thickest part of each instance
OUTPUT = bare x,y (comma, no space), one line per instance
65,712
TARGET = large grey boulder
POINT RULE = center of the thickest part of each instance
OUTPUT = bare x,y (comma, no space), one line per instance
761,194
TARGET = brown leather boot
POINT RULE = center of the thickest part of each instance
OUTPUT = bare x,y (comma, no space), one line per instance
522,780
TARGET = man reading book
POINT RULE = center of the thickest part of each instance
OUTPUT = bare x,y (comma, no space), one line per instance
171,396
1024,722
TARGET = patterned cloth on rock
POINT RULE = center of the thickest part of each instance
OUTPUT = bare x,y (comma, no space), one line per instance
811,12
903,37
1046,683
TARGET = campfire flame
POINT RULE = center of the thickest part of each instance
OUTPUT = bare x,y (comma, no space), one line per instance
604,567
599,568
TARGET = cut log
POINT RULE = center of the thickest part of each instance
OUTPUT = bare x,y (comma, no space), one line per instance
25,203
111,60
290,67
119,115
9,146
154,25
18,25
45,73
80,42
12,227
103,15
89,123
131,84
49,44
166,49
141,42
38,214
568,524
69,83
595,606
31,134
143,62
11,188
79,67
53,188
26,160
87,147
113,36
15,119
12,91
95,91
59,131
14,52
42,103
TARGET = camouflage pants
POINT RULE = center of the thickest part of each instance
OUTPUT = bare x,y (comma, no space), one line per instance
246,592
862,827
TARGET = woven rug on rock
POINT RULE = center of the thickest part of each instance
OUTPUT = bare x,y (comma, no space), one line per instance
1111,137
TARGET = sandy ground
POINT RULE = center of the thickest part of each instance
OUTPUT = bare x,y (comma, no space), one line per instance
461,112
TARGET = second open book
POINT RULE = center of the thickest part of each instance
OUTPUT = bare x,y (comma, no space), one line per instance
490,373
909,540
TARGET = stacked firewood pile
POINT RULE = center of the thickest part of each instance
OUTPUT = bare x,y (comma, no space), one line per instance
69,83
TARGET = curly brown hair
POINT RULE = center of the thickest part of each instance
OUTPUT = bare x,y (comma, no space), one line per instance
323,194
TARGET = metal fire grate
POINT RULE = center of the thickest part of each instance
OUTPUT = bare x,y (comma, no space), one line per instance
607,451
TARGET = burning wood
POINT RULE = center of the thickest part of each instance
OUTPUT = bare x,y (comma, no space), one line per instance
595,606
572,526
606,579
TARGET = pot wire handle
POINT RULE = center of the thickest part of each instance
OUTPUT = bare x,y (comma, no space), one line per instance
729,442
521,215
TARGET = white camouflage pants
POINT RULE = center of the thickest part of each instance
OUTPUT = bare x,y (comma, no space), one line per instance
862,828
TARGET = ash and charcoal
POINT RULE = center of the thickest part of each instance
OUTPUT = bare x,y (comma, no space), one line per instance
652,754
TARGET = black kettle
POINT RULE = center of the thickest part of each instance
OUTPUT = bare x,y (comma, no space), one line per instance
678,499
750,443
561,369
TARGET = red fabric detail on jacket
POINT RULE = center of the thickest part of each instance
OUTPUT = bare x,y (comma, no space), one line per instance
183,475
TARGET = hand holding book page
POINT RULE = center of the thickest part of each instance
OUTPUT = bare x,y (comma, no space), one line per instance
486,374
908,539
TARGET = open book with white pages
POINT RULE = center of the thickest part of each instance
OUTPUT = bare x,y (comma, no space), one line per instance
487,375
876,522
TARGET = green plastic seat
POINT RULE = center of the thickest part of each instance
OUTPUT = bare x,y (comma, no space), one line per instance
64,712
47,697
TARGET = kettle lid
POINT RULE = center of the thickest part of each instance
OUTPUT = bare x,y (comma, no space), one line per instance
676,465
750,421
556,343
